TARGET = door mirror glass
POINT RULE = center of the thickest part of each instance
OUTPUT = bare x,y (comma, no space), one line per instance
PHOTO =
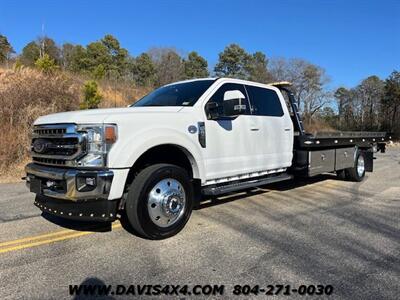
234,103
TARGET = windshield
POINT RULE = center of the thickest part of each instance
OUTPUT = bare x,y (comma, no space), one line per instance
179,94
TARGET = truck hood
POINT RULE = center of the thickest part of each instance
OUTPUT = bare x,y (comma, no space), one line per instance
92,116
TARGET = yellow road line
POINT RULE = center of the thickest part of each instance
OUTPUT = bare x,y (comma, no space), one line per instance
51,238
32,238
38,237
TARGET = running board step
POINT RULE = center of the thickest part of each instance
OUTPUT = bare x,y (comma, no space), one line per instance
237,186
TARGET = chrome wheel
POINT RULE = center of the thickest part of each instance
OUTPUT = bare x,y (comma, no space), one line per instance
166,202
360,166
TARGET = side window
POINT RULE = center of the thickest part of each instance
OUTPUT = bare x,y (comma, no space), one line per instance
265,101
218,96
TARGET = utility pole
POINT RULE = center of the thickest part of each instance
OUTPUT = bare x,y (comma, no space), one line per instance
42,50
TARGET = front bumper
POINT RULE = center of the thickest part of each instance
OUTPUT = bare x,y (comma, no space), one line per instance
98,210
72,193
68,184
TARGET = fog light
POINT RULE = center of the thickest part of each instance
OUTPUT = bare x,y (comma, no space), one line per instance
85,182
50,183
91,181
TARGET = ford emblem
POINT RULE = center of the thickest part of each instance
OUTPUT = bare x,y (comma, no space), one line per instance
39,146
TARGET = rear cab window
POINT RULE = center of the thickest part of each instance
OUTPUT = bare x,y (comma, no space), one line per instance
265,102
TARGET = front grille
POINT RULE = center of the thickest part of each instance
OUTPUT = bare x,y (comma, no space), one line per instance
49,161
59,145
50,131
67,146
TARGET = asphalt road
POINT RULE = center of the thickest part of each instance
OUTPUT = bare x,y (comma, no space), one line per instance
319,231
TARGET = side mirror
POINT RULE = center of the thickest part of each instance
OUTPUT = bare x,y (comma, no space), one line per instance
233,103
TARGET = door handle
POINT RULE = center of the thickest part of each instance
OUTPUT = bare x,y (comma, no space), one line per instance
254,129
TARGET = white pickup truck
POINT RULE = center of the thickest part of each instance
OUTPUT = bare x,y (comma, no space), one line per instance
151,162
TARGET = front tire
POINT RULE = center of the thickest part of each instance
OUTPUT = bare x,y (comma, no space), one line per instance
159,201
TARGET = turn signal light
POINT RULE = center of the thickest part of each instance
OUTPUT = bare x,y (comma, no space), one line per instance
110,134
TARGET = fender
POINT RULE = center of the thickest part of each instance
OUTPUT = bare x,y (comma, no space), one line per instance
129,148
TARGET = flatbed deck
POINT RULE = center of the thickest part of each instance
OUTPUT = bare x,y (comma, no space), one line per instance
340,139
349,134
328,140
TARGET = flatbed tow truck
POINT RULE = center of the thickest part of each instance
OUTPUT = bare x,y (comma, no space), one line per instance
150,162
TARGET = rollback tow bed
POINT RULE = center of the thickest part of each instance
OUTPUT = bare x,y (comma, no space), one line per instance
323,152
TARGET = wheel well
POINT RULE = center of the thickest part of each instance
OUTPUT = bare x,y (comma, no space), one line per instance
171,154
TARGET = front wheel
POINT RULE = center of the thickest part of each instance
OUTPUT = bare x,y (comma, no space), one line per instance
160,201
357,173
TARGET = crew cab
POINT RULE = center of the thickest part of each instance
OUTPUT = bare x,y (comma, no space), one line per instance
148,164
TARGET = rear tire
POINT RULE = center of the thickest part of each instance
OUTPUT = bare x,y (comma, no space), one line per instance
159,201
357,173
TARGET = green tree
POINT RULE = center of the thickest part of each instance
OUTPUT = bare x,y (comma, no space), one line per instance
97,54
144,70
119,55
92,96
195,66
257,68
233,62
99,72
30,54
46,64
48,46
343,99
391,103
106,52
5,49
37,49
77,59
67,53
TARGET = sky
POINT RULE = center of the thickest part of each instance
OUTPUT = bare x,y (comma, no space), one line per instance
350,39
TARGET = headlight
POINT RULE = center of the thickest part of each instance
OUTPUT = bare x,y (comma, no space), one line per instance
100,139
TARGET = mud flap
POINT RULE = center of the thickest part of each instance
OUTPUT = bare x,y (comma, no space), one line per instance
369,160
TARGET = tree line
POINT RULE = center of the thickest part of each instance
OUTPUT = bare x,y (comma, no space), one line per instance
374,104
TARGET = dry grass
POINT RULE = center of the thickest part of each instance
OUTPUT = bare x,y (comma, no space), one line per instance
316,125
26,94
14,173
121,94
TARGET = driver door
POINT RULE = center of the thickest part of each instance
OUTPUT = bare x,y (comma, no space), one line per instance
230,141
